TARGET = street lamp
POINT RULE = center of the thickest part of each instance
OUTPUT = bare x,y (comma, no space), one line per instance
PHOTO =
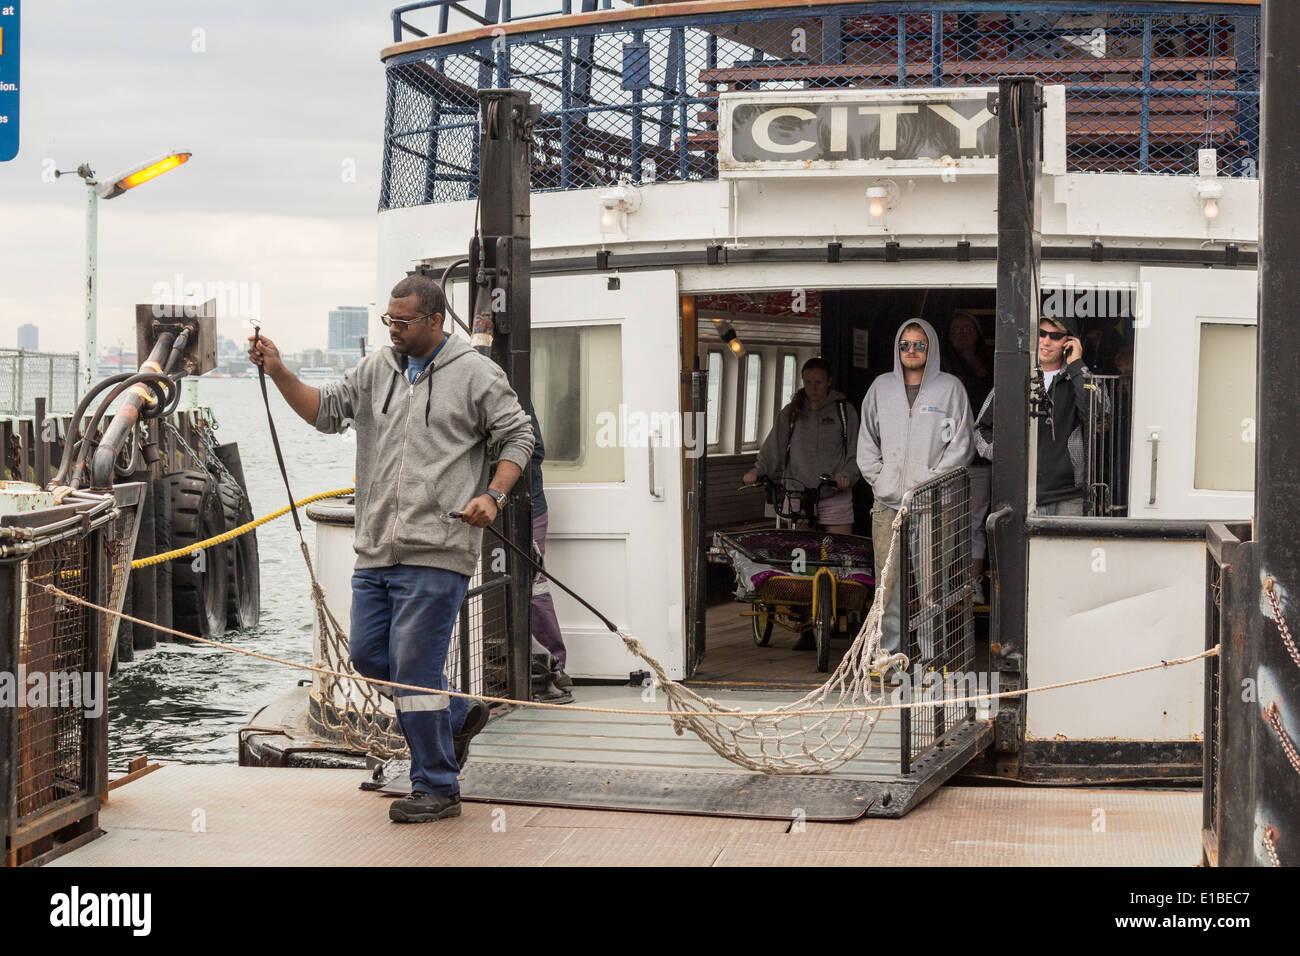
109,188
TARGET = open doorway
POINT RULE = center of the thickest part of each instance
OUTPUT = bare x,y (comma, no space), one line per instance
754,346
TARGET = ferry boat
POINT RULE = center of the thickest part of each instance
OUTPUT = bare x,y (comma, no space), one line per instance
312,375
722,189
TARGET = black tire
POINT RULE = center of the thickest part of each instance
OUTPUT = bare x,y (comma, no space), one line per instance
824,624
243,583
763,634
198,596
162,573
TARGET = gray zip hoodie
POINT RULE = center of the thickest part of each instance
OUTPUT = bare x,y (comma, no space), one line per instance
901,447
423,450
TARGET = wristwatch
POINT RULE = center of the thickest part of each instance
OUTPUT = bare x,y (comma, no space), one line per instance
496,496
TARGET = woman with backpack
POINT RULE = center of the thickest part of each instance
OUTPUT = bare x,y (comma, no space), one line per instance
815,435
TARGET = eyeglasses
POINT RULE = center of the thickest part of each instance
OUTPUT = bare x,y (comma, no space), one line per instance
402,324
1054,336
914,346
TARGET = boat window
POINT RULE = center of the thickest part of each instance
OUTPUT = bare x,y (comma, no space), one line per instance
714,410
789,381
1225,408
753,384
577,378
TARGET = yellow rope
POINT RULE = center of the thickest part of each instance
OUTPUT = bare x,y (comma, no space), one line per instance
234,532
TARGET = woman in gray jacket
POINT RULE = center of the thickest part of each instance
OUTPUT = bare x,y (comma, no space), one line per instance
815,435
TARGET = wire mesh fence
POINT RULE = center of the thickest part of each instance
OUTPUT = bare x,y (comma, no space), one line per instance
937,613
26,376
52,760
1107,445
1147,85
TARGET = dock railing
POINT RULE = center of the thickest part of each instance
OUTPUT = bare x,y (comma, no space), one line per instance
633,92
26,376
54,659
936,616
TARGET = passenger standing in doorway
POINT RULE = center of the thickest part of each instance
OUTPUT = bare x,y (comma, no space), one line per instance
1060,439
815,435
967,355
549,654
916,425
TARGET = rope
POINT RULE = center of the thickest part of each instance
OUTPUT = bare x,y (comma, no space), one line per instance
235,532
393,685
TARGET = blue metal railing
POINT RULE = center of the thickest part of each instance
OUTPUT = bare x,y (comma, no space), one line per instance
1148,83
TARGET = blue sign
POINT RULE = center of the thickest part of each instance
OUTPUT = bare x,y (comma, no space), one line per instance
8,79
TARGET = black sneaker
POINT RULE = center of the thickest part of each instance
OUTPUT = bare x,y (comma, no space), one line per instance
424,808
561,679
476,719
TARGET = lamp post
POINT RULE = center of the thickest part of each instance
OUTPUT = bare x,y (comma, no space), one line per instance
109,188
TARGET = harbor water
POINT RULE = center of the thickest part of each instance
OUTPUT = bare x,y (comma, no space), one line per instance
184,702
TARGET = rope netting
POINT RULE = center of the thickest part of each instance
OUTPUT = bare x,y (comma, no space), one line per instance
801,736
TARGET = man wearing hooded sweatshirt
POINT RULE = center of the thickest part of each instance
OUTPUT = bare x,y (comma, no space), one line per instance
425,409
916,424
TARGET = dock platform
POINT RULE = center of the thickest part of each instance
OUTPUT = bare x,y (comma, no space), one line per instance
188,815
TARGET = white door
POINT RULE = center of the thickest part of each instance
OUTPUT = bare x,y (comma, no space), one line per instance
1193,447
605,374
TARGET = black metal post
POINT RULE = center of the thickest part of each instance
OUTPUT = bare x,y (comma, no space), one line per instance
1277,452
499,269
1018,305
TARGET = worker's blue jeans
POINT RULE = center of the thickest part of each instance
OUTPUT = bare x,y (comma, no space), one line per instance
402,621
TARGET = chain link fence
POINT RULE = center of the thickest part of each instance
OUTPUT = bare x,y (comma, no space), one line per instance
1147,85
26,376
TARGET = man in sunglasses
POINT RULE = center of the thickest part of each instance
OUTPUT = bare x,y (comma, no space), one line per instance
916,424
425,411
1060,440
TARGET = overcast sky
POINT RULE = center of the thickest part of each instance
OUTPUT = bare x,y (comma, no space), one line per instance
282,105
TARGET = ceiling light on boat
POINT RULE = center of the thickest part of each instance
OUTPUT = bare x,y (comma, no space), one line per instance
1208,193
733,341
615,204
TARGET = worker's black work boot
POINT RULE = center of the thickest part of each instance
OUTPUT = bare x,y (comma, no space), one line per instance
424,808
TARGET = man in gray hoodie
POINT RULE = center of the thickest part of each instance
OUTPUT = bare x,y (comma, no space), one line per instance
429,412
916,424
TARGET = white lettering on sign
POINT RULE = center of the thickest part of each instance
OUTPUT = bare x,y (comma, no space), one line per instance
968,129
888,122
763,138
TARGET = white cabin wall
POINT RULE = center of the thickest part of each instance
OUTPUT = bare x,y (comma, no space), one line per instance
809,211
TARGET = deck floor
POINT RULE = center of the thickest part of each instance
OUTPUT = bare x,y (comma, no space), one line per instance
732,657
185,815
580,739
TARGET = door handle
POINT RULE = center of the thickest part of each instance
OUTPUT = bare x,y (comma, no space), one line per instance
655,493
1153,437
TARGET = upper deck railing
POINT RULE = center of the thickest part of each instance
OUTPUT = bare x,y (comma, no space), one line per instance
633,91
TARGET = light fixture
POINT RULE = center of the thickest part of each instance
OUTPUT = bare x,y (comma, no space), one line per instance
116,185
1208,193
615,205
733,341
881,196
